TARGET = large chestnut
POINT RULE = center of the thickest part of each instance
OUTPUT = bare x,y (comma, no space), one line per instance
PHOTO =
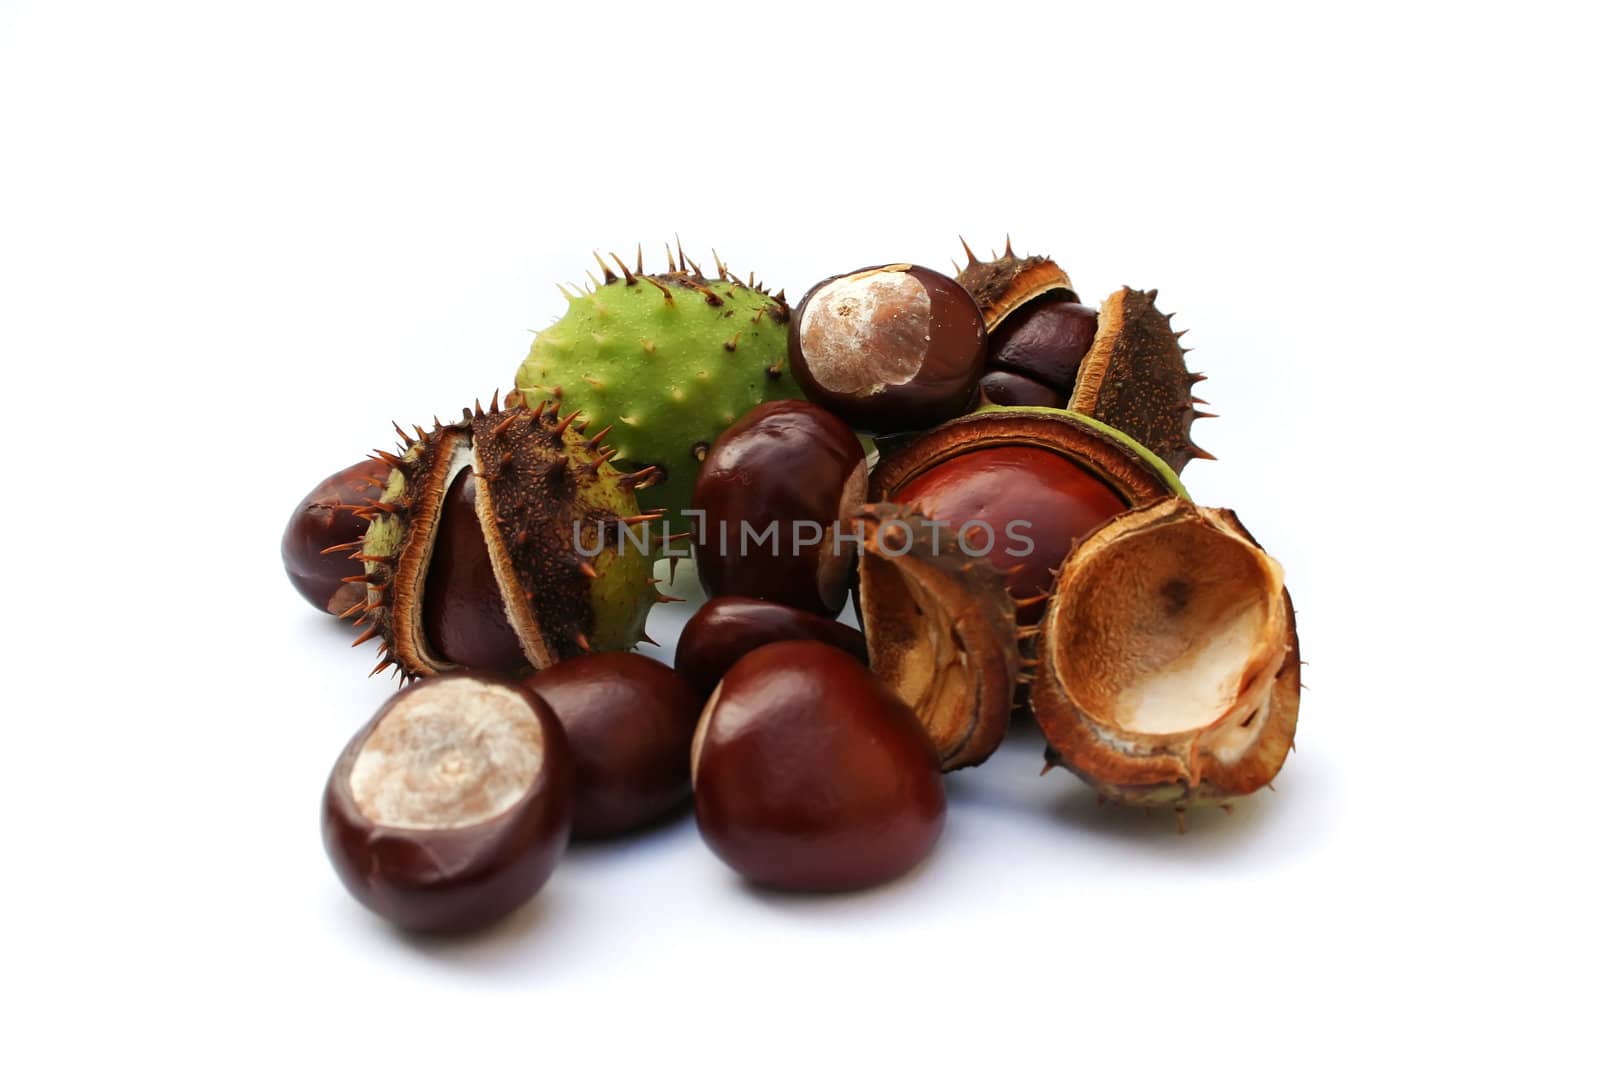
726,628
1020,507
774,495
324,531
629,722
890,348
810,774
449,809
463,613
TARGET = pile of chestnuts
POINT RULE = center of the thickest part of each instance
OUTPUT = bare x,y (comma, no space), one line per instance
987,467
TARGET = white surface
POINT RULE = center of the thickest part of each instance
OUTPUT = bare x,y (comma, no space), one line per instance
235,242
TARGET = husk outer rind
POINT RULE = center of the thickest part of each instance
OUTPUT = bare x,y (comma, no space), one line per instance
1178,769
668,361
941,631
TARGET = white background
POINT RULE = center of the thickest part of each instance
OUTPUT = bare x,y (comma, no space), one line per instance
236,241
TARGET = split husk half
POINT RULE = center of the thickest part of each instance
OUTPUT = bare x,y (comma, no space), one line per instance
1169,664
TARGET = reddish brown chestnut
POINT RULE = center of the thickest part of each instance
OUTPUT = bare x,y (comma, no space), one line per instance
727,627
1018,507
629,722
772,496
451,807
810,774
323,532
890,348
463,613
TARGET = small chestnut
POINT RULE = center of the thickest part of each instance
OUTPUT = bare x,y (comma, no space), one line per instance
1015,505
1015,390
810,774
774,495
629,722
1045,340
324,531
890,348
463,613
727,627
450,808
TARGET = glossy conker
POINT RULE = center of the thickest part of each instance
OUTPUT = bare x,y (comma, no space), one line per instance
450,808
323,532
1014,391
726,628
1045,340
463,613
773,496
629,722
890,348
1027,504
810,774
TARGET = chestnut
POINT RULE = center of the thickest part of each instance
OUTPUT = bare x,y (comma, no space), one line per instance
1045,340
810,774
1018,506
727,627
890,348
450,808
773,496
1015,390
629,722
463,614
324,531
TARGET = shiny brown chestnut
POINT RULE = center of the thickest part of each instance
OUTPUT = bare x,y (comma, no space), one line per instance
772,497
726,628
890,348
810,774
450,808
1045,340
1014,391
1019,507
463,614
324,531
629,722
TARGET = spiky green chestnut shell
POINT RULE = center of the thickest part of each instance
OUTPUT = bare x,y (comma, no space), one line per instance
571,557
668,361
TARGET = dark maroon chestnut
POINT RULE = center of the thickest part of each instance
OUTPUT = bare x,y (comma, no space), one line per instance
810,774
889,348
1046,341
629,722
774,495
463,613
449,809
1013,390
727,627
324,531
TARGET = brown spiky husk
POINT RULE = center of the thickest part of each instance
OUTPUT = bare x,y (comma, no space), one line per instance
1008,281
534,470
1149,599
1135,378
941,631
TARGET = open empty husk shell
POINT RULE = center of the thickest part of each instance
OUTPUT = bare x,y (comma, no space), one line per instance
1169,666
941,631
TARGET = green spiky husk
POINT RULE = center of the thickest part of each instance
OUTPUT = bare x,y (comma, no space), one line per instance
667,362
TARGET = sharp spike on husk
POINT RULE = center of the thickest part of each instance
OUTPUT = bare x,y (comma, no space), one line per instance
605,268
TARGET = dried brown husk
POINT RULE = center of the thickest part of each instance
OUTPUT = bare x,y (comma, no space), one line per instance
941,631
1134,376
1169,663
